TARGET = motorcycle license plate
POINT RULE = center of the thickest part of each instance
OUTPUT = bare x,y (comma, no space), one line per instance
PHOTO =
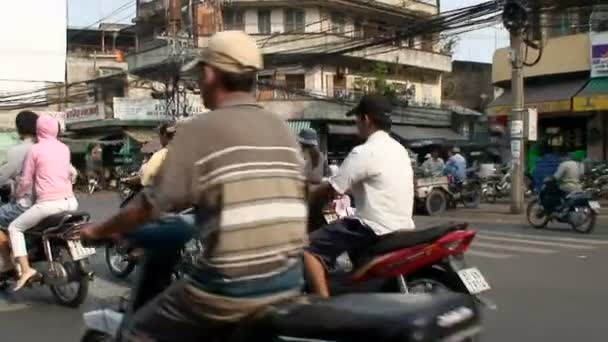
595,205
78,251
329,218
473,280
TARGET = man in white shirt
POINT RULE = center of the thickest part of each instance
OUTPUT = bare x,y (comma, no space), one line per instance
380,177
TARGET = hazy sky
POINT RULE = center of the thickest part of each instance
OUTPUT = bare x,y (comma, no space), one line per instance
474,46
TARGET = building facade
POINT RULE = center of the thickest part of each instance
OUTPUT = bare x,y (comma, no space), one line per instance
567,86
302,80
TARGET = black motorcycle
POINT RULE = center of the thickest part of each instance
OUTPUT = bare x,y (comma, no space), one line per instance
468,192
576,209
55,249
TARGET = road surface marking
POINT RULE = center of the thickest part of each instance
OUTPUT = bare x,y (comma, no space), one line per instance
7,305
474,252
514,248
546,237
535,242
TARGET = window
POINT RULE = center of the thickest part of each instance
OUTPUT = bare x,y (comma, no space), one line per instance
264,21
233,19
295,82
358,33
265,90
338,23
294,20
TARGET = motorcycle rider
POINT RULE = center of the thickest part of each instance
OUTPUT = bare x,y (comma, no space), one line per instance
568,176
456,165
25,123
313,158
247,188
379,174
47,169
150,169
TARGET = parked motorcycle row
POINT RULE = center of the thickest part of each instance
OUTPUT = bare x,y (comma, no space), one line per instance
595,181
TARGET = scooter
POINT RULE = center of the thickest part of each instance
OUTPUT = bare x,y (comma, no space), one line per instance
425,261
55,249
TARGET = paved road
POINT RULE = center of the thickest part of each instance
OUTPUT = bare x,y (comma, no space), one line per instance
549,286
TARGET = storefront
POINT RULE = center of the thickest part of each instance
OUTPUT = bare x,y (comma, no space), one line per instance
560,127
593,102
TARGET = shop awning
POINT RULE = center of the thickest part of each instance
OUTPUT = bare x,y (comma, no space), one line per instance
546,98
81,145
342,129
297,125
142,136
415,133
593,97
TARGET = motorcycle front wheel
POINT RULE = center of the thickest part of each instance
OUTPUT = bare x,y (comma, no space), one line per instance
119,263
536,215
471,197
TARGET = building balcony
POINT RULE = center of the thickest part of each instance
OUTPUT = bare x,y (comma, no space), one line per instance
159,59
149,8
315,43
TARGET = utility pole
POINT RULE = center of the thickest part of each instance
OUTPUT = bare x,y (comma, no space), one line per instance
517,123
515,20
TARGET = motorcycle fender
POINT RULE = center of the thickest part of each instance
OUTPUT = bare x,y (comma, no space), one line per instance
105,321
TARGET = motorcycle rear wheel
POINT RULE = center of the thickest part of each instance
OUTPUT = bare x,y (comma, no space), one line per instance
434,280
95,336
435,203
81,290
589,223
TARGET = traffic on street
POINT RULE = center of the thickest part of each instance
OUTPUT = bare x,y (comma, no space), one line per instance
538,279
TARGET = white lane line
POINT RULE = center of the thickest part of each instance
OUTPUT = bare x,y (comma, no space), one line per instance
514,248
534,242
474,252
546,238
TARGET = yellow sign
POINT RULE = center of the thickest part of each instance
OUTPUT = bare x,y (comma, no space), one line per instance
590,103
541,107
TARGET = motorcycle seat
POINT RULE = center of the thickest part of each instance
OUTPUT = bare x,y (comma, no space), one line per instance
57,219
404,238
374,317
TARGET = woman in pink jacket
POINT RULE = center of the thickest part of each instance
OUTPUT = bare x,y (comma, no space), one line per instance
46,168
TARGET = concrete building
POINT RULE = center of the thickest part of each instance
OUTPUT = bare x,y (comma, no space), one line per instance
295,37
568,86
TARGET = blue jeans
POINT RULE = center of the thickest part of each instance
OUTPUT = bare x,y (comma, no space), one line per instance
162,240
167,233
9,212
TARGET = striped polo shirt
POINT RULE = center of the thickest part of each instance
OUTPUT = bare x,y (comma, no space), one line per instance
240,167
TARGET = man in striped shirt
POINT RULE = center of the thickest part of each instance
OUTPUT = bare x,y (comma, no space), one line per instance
240,167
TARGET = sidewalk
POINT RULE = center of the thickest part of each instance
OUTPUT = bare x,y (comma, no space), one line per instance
499,213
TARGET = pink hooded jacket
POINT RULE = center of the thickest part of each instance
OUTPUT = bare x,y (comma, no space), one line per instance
47,165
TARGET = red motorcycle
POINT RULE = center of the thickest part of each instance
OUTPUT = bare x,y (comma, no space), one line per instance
421,261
